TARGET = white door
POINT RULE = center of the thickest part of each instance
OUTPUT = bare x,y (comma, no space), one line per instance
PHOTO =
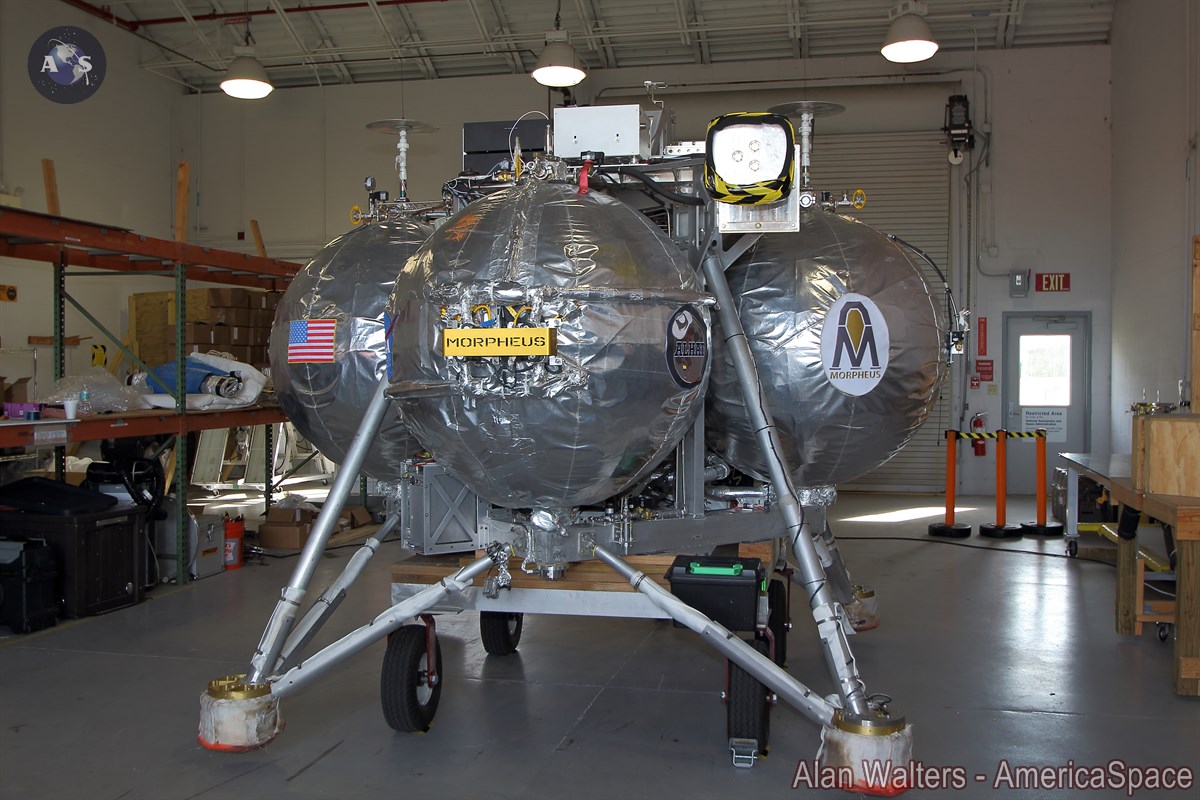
1047,384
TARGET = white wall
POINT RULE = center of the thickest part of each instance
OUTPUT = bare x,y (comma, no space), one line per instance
1156,93
1045,207
113,161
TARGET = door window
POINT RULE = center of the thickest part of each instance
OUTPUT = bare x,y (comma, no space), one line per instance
1045,363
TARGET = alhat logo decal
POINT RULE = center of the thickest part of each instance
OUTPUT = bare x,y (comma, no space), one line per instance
66,64
854,344
687,347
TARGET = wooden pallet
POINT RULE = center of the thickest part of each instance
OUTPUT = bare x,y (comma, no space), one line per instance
585,576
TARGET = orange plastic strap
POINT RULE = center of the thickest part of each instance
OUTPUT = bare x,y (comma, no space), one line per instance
583,177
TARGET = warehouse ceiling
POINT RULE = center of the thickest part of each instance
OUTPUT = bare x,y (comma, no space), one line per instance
322,42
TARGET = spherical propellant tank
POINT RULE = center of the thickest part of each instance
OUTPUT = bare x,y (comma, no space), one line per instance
849,344
329,345
533,264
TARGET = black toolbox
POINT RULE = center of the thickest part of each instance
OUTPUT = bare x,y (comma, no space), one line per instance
28,601
725,589
100,556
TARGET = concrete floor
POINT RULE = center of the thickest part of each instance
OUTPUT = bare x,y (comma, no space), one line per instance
992,653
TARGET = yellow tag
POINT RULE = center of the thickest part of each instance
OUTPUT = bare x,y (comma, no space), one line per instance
356,216
858,199
8,294
499,342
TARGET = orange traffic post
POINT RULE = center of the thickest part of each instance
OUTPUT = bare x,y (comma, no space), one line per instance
949,527
1041,527
999,529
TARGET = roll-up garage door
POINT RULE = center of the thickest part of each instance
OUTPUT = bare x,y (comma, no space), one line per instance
907,180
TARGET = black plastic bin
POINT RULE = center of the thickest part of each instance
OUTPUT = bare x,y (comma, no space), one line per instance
725,589
28,601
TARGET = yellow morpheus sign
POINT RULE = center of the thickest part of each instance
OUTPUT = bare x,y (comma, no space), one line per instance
498,342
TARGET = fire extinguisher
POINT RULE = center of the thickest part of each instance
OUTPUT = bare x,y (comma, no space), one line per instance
980,445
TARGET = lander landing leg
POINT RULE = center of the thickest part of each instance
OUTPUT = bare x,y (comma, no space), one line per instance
859,728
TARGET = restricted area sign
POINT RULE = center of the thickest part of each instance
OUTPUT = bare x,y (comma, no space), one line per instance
1054,420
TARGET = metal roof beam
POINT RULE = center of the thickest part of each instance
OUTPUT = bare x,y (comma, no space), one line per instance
287,24
200,34
514,61
593,28
414,39
327,41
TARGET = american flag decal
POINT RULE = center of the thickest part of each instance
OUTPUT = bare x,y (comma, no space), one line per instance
310,341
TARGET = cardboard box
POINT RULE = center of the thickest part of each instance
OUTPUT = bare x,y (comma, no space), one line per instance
193,333
359,516
14,390
242,317
250,337
290,515
264,300
262,317
283,535
239,352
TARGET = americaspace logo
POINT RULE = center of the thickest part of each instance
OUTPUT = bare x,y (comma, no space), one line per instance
66,64
854,344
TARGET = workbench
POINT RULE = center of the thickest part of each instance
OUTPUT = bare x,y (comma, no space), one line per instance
1183,514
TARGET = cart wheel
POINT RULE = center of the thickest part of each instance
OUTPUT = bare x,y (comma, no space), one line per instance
1164,631
748,711
500,631
409,701
1072,548
777,619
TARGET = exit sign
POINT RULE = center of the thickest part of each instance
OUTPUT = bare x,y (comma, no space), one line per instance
1052,282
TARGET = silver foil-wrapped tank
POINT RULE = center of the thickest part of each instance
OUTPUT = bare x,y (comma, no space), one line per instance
328,346
631,330
848,342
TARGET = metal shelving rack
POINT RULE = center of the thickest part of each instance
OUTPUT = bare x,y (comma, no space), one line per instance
109,250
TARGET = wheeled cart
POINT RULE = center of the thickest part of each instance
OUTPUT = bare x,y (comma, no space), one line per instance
412,677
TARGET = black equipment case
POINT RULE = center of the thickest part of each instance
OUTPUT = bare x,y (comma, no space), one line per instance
725,589
100,556
28,601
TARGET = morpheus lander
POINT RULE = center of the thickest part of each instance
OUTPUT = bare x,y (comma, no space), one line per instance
619,345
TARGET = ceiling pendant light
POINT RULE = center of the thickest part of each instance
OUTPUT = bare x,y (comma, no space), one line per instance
246,78
559,66
909,38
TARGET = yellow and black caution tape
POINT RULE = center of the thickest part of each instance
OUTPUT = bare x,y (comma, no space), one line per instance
750,194
1038,434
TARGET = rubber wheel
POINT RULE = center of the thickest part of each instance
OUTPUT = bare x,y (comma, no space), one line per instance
409,702
748,711
500,631
1072,548
777,619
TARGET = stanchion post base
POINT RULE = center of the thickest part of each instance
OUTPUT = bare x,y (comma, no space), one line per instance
994,531
956,530
1049,529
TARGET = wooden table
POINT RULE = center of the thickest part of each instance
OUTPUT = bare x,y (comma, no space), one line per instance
1183,515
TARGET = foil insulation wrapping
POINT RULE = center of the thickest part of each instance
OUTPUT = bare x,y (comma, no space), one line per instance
848,380
348,282
632,330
